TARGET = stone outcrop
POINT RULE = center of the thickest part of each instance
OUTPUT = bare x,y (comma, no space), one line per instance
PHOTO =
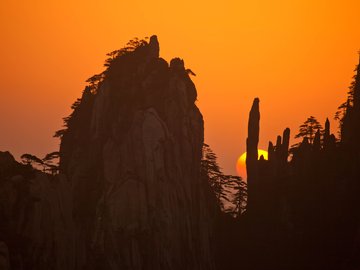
303,202
129,194
133,159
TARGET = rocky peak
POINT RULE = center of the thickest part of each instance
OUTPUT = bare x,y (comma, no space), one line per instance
177,64
154,47
135,167
6,158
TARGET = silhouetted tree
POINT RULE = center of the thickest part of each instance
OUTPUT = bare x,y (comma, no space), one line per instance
344,110
345,107
94,82
227,188
75,117
49,162
212,170
238,194
51,156
130,47
190,72
309,128
32,160
59,133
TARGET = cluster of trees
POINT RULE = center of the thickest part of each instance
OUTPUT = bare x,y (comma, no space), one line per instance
131,46
309,128
94,82
348,104
49,164
230,191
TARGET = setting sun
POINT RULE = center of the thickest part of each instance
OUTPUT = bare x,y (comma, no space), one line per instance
241,162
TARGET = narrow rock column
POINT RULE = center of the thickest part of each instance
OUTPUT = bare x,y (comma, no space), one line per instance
285,145
327,134
252,153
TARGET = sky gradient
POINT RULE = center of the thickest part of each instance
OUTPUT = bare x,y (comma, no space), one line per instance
297,56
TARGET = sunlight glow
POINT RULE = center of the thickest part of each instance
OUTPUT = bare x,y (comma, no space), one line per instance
241,162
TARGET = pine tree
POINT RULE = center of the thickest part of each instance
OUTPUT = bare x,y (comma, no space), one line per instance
308,129
212,170
228,189
345,111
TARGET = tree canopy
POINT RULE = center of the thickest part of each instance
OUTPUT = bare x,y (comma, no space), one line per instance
309,128
47,163
230,191
94,82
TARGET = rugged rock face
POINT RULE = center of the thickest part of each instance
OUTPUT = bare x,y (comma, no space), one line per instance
133,158
36,229
129,194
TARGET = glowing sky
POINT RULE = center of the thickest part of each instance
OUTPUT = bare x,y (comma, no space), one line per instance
297,56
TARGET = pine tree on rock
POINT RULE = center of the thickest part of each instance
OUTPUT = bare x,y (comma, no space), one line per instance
308,129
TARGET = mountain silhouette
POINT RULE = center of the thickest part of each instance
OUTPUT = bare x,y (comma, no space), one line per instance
136,187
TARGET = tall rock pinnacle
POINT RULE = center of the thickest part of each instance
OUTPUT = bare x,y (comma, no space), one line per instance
252,151
154,48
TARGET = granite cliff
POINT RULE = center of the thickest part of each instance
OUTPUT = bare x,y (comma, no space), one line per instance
133,157
129,194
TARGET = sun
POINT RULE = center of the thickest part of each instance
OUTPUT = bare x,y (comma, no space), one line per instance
241,162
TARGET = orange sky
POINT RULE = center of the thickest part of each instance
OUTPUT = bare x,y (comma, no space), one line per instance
297,56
